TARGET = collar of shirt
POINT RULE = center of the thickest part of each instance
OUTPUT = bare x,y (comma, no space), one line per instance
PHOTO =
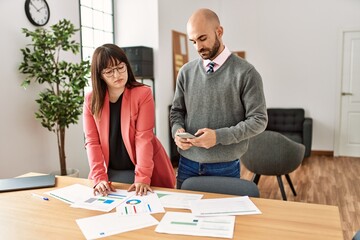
219,60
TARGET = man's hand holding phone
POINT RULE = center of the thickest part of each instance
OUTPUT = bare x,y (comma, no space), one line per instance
185,135
205,138
181,139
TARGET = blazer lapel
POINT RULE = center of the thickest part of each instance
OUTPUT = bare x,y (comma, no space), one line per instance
104,127
125,121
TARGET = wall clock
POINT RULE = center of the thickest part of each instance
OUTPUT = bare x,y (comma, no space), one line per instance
37,11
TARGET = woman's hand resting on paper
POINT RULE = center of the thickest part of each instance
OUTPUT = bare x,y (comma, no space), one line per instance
103,188
140,188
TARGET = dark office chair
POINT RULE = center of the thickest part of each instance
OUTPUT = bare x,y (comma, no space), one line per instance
223,185
292,123
271,153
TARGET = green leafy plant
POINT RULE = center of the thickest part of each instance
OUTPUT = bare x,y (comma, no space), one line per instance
60,103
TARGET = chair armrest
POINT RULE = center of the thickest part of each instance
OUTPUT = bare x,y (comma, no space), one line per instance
307,135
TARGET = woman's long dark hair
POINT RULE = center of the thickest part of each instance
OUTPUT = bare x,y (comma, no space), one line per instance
107,55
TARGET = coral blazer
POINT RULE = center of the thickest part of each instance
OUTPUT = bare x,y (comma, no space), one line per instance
152,164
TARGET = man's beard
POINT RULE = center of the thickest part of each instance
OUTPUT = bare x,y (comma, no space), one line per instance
211,52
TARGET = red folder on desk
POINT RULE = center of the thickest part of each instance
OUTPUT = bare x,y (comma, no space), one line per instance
23,183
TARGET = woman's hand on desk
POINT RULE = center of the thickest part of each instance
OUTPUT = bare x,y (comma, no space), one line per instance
140,188
103,188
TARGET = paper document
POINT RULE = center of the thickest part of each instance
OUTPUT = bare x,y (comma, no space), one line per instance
81,196
105,204
188,224
72,193
149,204
112,223
177,200
224,206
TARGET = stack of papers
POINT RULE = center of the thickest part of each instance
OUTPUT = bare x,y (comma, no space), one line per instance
208,217
133,212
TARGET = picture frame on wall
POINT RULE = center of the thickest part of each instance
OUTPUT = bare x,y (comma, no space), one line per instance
180,52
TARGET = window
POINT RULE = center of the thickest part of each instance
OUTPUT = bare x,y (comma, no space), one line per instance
97,25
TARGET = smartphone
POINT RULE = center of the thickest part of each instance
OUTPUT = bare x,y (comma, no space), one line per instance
185,135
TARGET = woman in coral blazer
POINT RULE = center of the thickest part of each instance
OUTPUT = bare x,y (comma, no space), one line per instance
118,125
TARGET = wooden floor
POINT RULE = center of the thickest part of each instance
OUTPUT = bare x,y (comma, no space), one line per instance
322,180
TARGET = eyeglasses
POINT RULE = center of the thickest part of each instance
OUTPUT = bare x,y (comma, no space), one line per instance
120,68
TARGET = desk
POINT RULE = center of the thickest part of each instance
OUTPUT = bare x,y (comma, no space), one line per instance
25,217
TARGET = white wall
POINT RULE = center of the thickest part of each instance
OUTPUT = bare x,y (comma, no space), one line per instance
295,45
24,144
136,23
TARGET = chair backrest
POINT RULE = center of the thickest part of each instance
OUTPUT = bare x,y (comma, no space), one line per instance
271,153
223,185
285,119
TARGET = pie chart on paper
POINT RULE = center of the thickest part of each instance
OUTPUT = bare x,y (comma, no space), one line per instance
133,201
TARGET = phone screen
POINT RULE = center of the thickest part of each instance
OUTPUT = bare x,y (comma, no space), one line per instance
185,135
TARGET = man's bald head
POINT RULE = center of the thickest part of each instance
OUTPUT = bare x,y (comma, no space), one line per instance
204,16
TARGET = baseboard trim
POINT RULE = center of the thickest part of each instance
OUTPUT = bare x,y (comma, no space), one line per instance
322,153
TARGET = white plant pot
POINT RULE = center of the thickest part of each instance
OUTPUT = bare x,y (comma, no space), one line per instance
71,172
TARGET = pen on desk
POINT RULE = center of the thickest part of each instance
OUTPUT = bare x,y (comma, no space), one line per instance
39,196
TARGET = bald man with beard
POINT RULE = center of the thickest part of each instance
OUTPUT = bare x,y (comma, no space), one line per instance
220,99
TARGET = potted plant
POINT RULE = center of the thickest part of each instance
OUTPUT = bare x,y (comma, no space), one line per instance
60,103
